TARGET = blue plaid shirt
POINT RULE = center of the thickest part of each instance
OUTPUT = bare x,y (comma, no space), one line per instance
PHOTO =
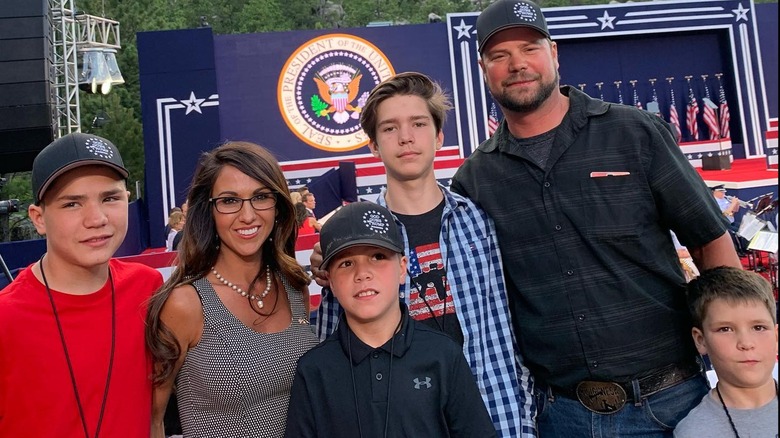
468,243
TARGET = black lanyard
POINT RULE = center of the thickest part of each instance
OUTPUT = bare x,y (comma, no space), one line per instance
67,355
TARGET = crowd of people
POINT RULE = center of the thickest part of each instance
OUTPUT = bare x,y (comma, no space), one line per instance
554,312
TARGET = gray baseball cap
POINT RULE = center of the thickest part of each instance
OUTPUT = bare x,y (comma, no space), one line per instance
505,14
359,223
70,152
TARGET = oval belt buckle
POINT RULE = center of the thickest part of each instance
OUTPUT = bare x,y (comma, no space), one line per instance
601,397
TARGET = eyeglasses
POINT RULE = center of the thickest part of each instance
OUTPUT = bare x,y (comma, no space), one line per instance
233,204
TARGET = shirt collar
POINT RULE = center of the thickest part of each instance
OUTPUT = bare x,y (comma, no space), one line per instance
451,200
581,107
398,345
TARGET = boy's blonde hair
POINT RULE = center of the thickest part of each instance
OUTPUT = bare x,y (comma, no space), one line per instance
731,284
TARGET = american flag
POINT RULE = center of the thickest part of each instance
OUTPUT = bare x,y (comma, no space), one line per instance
725,117
673,119
692,111
637,103
710,118
492,122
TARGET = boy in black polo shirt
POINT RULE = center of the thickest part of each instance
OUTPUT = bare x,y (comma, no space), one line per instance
380,374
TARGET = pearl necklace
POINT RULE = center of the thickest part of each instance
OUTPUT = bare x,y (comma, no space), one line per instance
242,292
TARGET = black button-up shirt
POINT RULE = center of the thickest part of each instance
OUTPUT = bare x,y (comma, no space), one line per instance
420,373
595,284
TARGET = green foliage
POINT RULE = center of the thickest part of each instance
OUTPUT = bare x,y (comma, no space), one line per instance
319,107
121,126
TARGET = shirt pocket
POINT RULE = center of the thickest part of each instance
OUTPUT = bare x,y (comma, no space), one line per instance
615,207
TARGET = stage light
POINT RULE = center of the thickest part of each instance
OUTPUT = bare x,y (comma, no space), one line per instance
113,67
94,72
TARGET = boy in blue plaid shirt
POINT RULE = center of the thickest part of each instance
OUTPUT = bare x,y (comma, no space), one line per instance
456,281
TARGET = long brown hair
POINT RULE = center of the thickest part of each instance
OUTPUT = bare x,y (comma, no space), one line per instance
199,246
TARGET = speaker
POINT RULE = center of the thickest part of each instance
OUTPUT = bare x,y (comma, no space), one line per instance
718,162
27,105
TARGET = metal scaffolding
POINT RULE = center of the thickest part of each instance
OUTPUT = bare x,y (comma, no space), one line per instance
73,31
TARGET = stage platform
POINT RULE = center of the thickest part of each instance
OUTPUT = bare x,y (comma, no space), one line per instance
744,174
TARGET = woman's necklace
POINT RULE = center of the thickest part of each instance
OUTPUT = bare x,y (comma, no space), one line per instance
67,355
242,292
726,410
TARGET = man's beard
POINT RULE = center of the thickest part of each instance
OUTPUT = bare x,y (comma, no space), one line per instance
525,106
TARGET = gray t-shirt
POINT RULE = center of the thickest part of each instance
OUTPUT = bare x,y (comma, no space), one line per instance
709,420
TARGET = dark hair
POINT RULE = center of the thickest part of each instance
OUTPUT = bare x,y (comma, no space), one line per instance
405,84
199,247
301,213
731,284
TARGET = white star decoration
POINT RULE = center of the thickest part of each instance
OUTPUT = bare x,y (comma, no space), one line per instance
606,21
741,13
193,104
463,30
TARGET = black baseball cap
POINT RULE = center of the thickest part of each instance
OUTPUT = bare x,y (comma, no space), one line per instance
69,152
504,14
359,223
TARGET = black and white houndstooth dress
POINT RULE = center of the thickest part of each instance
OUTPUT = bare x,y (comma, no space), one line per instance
236,382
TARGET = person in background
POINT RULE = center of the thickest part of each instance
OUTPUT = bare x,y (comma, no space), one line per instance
686,261
456,280
381,373
296,197
310,203
72,356
735,325
231,322
595,285
168,224
304,221
729,205
176,223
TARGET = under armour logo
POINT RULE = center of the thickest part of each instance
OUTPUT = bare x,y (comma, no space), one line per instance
418,383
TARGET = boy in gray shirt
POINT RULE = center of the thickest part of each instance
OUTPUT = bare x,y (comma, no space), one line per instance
735,325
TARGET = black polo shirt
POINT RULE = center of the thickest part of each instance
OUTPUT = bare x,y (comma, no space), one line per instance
432,392
595,285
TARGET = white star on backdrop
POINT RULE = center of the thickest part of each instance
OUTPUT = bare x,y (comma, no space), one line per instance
606,21
193,103
463,30
741,13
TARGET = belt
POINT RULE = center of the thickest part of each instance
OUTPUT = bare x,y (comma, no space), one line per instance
610,397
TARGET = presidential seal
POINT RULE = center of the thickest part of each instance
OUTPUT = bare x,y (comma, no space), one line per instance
323,87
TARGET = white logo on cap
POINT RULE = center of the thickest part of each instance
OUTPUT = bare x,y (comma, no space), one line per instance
99,148
375,222
525,12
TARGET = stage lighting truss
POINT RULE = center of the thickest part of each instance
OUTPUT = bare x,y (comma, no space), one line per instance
75,34
98,42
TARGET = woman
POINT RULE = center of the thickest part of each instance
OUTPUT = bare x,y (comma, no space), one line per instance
175,223
230,324
303,220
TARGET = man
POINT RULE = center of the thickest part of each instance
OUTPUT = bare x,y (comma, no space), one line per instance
729,206
310,202
595,286
73,361
455,282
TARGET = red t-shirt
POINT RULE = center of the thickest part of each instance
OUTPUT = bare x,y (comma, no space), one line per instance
36,393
